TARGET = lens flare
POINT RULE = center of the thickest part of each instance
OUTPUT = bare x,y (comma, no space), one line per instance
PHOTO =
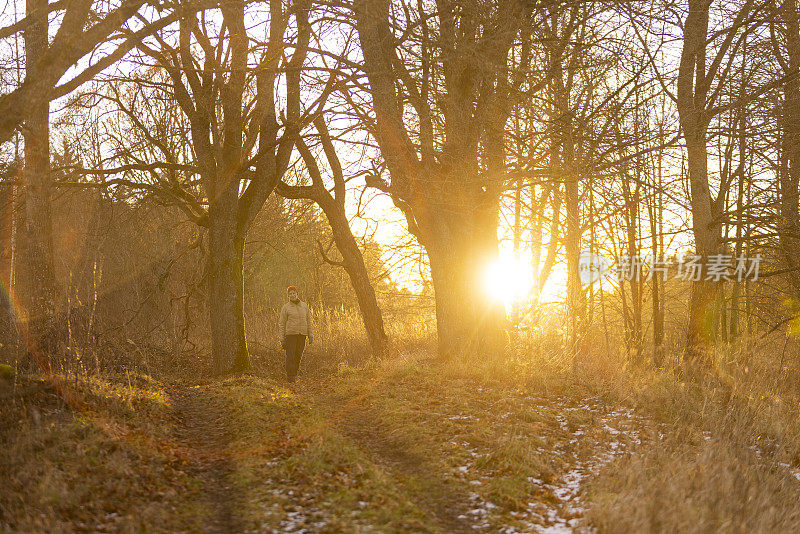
509,279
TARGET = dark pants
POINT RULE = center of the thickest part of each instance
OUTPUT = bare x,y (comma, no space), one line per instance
295,343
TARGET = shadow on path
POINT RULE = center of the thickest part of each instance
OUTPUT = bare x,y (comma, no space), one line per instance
202,427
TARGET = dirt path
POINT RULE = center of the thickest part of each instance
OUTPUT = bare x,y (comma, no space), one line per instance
574,437
443,499
201,427
584,436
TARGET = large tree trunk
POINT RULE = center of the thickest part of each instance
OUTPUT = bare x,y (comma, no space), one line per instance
461,249
692,91
241,360
228,222
450,199
700,333
226,287
39,288
789,228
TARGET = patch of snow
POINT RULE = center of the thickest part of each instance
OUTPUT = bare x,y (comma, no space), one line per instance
565,515
557,528
568,489
792,470
562,421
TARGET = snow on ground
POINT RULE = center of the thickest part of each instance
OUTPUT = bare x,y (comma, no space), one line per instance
619,430
795,472
298,511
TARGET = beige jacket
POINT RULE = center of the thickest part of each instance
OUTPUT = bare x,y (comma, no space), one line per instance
295,318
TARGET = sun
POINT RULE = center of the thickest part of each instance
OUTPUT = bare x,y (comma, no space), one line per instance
509,279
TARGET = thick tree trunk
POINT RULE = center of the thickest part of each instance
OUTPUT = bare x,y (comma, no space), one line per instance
692,92
469,320
450,199
241,361
466,322
226,287
700,333
790,170
228,222
38,283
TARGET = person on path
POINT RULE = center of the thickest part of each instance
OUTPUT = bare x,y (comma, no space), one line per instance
294,325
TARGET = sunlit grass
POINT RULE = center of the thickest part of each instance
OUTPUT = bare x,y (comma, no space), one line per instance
411,443
114,468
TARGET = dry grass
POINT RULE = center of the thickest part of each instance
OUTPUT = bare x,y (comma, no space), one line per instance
110,468
711,483
411,443
728,457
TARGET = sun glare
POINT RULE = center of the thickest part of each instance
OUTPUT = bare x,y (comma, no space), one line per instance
509,279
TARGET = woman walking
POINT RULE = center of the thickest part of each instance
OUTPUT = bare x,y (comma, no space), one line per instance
294,325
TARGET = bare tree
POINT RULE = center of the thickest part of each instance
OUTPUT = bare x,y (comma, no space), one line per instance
73,40
446,175
696,96
785,40
333,205
39,290
237,147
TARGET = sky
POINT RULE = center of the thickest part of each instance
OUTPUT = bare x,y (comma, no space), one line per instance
385,222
